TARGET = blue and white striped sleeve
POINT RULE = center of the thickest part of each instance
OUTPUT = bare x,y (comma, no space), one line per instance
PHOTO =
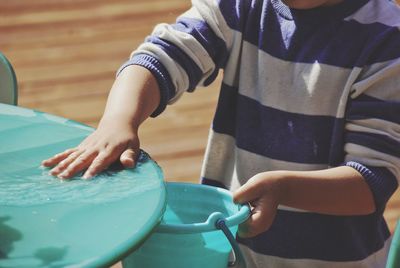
372,137
188,53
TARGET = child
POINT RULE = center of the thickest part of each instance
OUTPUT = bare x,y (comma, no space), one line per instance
306,128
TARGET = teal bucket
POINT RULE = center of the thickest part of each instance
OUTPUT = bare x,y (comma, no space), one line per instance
393,260
196,230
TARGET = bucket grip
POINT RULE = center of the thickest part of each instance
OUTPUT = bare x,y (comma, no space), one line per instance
239,260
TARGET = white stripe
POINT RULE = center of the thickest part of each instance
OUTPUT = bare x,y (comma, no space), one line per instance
240,165
255,260
205,10
245,163
379,80
189,45
312,89
209,12
192,13
369,157
380,11
233,65
231,166
249,164
219,158
375,126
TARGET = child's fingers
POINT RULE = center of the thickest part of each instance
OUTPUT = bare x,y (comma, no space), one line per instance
259,194
61,166
260,219
80,163
58,158
100,163
128,158
250,191
252,226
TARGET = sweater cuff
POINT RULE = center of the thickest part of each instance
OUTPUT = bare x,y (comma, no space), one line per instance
161,74
381,181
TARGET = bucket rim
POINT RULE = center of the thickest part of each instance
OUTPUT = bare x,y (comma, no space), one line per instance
209,225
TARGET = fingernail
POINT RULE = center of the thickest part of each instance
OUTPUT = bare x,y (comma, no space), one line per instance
63,175
87,176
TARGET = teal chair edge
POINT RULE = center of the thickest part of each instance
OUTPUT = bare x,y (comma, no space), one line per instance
14,91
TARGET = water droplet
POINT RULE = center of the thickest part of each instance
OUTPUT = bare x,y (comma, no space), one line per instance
290,125
315,148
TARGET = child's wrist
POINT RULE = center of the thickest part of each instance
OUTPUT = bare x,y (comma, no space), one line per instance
281,188
119,120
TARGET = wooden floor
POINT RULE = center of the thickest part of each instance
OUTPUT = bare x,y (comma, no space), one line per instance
66,52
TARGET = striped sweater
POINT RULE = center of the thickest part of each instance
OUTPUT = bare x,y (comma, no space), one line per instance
302,90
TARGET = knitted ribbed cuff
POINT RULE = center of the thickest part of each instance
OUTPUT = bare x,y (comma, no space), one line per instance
381,181
160,73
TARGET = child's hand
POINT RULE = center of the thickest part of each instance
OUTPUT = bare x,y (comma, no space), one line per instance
110,142
262,192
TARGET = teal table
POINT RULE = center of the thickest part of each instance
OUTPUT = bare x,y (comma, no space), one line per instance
47,222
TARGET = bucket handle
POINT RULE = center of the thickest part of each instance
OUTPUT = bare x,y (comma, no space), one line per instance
239,261
208,225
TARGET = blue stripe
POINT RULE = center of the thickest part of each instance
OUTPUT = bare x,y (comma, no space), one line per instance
274,133
383,185
287,136
193,71
335,42
366,107
377,142
330,43
340,10
225,115
337,153
201,31
381,181
235,14
323,237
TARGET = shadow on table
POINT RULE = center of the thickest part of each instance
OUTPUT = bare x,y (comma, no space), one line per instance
8,236
50,255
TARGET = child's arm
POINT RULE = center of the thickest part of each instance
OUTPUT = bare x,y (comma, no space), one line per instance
371,168
133,97
336,191
176,58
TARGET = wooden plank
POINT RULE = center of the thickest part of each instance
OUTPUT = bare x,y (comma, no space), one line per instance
76,14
